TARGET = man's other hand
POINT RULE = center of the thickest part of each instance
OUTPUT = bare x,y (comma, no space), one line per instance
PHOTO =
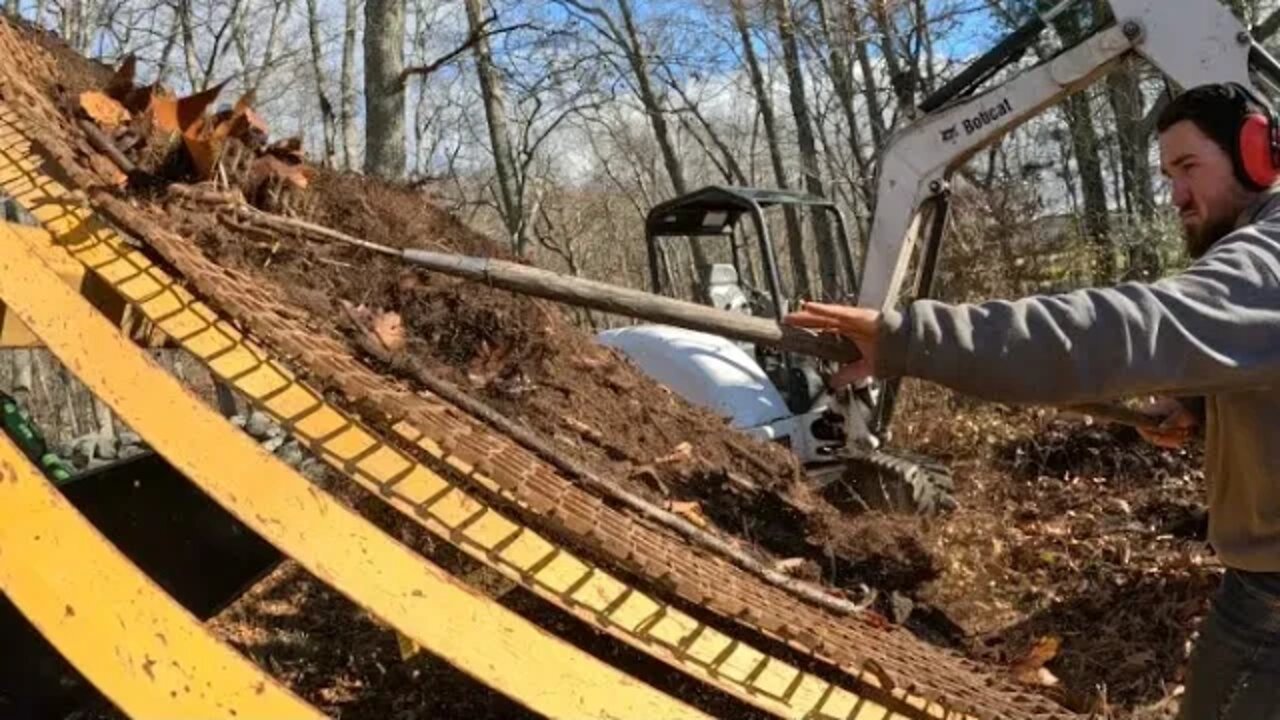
1177,424
860,325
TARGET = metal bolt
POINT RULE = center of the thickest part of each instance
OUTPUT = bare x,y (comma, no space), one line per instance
935,186
1131,29
1244,38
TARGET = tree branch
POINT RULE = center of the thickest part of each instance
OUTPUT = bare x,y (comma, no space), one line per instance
474,37
1268,27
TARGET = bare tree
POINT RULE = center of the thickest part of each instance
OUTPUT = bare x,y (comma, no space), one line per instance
384,88
347,84
624,36
828,260
327,119
795,238
495,112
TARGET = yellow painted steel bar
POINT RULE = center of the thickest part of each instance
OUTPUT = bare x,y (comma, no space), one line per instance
469,630
137,645
520,553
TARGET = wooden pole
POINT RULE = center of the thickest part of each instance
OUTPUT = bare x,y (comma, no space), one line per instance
635,303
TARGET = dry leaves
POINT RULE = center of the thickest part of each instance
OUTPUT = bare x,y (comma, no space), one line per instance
389,329
682,453
103,109
690,511
1030,669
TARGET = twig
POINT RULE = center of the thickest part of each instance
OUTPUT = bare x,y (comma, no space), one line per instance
478,409
104,145
206,195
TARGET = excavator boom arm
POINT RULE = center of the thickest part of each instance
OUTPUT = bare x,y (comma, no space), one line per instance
1190,41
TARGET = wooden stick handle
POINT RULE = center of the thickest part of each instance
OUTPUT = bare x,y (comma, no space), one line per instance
635,303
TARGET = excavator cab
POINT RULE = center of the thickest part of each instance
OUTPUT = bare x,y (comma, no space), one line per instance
699,251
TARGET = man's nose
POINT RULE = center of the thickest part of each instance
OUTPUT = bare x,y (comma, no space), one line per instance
1181,194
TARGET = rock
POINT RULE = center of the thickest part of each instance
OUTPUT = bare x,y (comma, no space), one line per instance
902,607
106,448
291,453
129,439
259,425
82,449
273,444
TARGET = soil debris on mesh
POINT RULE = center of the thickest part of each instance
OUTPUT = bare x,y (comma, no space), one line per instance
1079,539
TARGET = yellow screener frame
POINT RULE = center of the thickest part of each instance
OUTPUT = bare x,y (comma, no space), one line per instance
466,628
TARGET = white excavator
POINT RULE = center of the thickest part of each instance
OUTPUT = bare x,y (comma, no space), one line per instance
780,396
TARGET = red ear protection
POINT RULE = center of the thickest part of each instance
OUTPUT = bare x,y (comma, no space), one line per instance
1259,150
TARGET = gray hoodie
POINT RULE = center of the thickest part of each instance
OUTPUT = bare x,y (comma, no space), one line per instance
1211,330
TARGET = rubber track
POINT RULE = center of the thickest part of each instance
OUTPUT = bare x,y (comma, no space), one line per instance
468,629
448,511
900,663
146,654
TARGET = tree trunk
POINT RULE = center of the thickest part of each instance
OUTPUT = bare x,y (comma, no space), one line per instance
828,258
795,238
495,111
1093,188
317,69
1087,148
649,99
384,88
902,80
842,83
347,86
870,87
636,57
171,40
1125,93
13,7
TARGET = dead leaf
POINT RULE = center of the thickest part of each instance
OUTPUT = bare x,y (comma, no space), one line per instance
682,453
181,114
121,82
204,152
103,109
1027,669
270,166
690,511
390,331
288,149
790,565
246,101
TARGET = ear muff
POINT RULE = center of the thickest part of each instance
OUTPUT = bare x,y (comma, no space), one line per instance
1258,150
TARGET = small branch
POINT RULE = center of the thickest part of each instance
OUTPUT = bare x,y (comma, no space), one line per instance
476,36
104,145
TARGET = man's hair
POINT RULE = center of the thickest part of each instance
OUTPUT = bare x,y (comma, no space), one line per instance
1218,110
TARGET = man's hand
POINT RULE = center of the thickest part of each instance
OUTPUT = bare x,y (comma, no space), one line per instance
857,324
1177,424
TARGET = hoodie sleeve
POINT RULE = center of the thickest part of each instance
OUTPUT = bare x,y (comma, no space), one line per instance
1214,327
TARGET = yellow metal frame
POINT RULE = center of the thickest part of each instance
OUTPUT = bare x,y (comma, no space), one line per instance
520,553
469,630
137,645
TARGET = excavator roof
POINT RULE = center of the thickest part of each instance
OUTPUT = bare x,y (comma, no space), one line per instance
715,209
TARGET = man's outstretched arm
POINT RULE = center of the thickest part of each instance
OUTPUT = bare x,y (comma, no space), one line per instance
1212,328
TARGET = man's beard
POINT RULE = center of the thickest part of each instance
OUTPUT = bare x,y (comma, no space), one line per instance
1199,241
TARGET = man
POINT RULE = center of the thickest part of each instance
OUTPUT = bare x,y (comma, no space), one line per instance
1211,331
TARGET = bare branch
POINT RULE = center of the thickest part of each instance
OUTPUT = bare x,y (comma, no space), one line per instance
473,37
